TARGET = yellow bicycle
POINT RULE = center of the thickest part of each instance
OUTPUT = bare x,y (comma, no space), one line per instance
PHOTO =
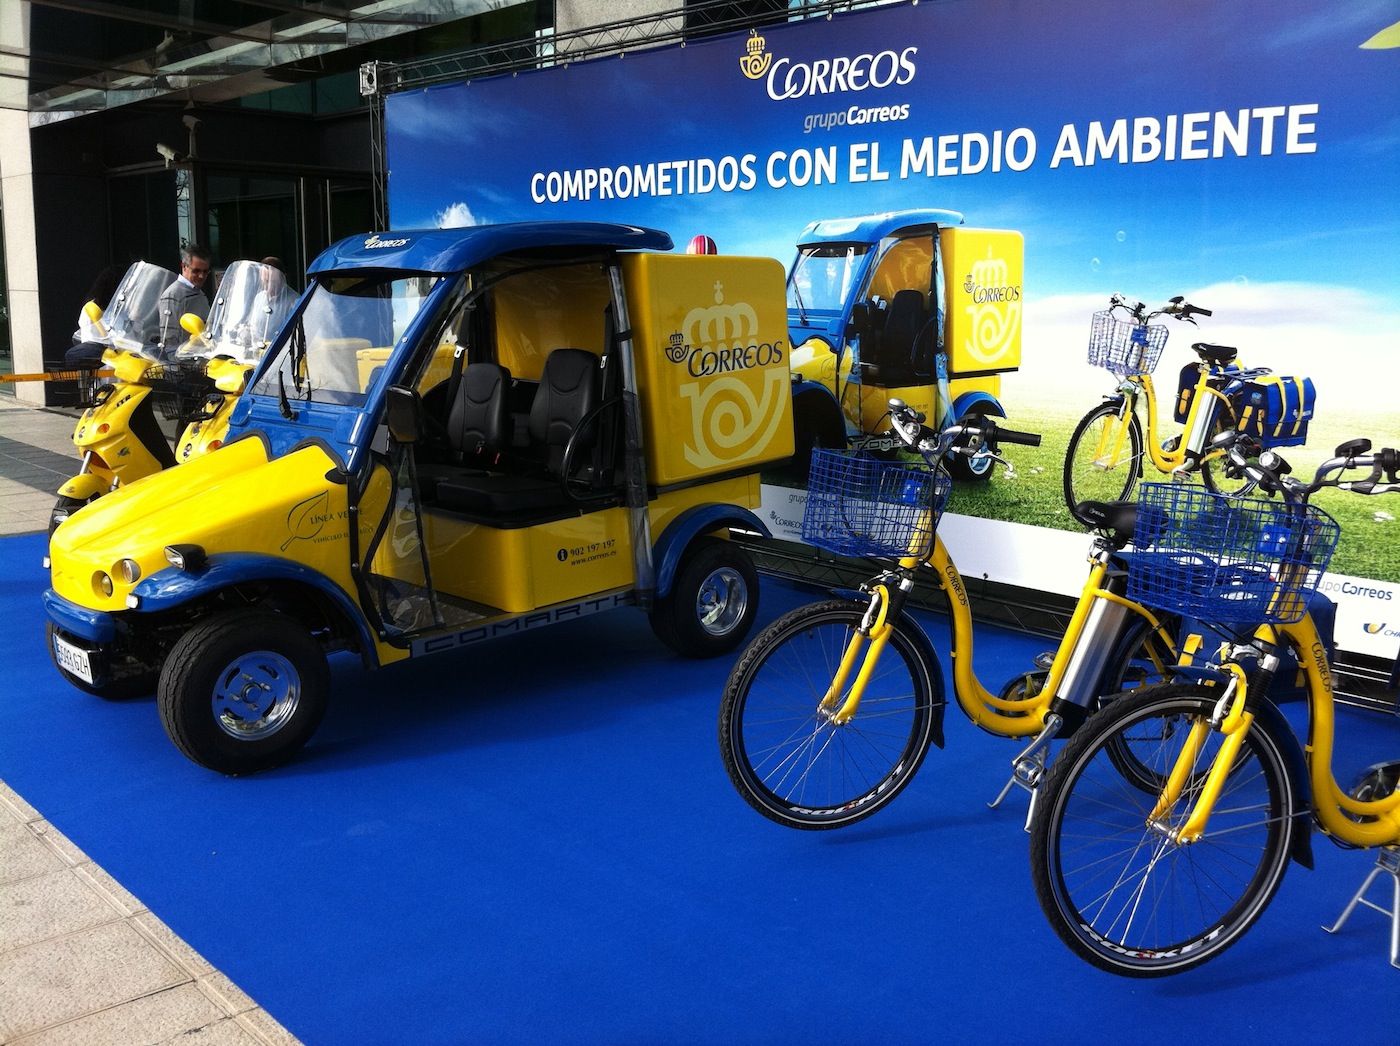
830,711
1106,452
1148,874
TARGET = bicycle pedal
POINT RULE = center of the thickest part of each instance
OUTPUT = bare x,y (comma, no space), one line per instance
1377,782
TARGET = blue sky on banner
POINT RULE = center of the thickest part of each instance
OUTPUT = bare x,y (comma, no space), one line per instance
1077,131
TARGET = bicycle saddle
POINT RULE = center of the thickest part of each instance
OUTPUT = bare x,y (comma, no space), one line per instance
1217,354
1116,519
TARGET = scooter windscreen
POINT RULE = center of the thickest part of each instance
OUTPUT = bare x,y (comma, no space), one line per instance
252,303
132,317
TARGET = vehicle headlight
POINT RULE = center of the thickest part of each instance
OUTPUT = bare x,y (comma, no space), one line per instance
189,558
102,583
129,569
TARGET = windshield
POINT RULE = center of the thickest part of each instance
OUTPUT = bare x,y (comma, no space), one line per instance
252,303
823,277
338,343
132,317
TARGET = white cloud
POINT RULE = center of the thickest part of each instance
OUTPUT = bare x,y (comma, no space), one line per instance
1343,338
455,216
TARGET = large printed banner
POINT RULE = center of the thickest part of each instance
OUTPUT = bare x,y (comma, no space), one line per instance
1244,155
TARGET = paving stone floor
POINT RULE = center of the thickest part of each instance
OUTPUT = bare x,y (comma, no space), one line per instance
83,961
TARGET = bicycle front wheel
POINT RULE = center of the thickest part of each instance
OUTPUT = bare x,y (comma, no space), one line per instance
1115,886
782,750
1104,456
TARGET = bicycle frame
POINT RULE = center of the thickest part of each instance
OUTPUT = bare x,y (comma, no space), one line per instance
1196,433
1008,717
1357,822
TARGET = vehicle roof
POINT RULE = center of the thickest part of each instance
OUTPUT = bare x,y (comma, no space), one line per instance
456,250
871,228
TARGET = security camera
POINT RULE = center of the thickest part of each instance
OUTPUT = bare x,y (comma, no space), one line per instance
192,122
167,152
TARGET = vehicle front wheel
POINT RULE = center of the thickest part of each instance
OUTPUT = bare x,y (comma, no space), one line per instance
713,602
243,691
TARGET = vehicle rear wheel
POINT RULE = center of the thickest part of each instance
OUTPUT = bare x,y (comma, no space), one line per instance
712,603
133,679
972,470
243,691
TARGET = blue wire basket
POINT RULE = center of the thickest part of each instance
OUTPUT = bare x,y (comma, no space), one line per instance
1125,347
1242,561
858,505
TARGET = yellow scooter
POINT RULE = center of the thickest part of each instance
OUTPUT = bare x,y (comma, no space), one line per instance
120,437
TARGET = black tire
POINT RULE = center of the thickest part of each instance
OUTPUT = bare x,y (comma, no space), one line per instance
967,470
1117,890
712,602
65,507
1112,481
201,713
133,679
770,721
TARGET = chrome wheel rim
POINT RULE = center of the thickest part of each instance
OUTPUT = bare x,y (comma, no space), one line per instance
256,695
721,601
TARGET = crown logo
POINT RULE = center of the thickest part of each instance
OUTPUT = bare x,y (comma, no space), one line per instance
755,63
721,324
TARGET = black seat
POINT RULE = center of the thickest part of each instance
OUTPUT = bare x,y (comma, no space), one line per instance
1116,519
1216,354
478,427
478,423
568,391
890,363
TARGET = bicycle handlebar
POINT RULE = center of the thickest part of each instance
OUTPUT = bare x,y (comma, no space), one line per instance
1271,472
1177,307
982,434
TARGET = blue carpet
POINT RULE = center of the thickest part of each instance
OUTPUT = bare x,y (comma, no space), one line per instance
536,841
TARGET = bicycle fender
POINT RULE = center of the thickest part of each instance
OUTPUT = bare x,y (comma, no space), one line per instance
911,628
1267,713
82,486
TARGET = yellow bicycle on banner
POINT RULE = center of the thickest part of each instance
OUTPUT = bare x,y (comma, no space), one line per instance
1107,449
1164,828
829,712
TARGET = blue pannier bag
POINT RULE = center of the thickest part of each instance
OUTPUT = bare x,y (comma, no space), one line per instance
1223,379
1276,410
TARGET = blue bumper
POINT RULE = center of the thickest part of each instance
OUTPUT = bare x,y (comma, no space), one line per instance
97,626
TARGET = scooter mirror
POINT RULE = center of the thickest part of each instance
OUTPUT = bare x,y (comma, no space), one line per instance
193,324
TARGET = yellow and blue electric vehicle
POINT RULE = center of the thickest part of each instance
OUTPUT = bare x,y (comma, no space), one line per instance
909,305
458,435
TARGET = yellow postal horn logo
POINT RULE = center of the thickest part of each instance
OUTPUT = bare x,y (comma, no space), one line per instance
755,63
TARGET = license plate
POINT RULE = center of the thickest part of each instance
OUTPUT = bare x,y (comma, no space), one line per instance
72,659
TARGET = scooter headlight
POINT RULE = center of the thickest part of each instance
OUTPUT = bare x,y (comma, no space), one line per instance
129,569
102,583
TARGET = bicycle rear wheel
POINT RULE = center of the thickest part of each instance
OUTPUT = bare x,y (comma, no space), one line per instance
1103,462
784,754
1117,890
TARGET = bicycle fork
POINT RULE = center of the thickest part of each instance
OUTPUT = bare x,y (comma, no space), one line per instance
874,630
1229,718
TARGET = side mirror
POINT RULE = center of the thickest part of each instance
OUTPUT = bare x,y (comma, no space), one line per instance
403,414
860,319
193,325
